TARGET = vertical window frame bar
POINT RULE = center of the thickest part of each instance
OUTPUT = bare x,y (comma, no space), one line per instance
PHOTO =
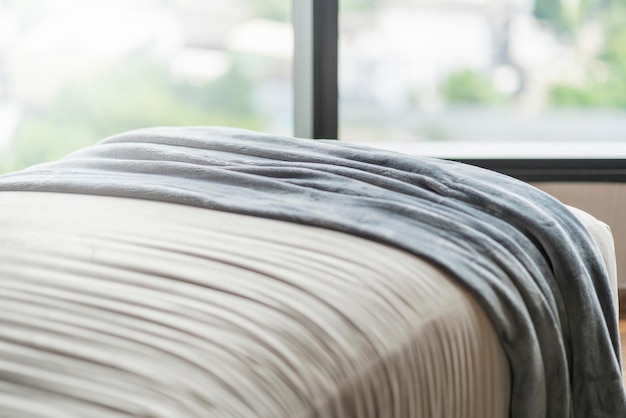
316,38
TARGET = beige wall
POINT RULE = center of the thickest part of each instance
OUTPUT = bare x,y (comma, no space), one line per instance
605,201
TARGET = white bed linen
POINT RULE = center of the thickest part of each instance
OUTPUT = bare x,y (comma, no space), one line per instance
118,307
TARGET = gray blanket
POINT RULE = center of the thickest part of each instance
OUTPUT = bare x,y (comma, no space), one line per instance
527,260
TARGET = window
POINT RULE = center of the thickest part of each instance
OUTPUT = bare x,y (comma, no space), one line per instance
482,70
412,71
75,71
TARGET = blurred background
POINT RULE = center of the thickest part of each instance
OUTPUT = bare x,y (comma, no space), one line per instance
75,71
483,70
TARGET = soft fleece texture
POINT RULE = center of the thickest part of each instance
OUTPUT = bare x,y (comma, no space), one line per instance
524,256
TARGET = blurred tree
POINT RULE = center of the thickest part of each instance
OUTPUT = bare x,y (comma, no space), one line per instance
566,16
470,87
550,11
608,91
273,9
142,95
355,5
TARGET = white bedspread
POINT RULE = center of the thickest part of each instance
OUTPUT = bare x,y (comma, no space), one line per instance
118,307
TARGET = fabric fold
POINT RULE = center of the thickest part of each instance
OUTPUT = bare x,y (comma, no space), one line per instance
522,254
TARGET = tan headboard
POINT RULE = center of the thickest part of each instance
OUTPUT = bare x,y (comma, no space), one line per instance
605,201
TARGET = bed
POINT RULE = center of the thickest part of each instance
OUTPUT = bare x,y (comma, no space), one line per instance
129,291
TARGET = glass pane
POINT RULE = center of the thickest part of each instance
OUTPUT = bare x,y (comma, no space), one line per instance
75,71
483,70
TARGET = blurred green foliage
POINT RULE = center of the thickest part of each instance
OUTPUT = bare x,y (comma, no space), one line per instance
470,87
566,16
139,92
607,90
273,9
551,11
142,95
355,5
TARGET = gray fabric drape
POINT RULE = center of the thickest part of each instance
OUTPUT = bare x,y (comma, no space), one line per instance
526,258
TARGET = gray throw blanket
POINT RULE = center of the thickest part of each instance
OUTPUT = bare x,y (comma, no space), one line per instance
526,259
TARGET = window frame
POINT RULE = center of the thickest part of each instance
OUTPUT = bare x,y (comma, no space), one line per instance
315,87
316,103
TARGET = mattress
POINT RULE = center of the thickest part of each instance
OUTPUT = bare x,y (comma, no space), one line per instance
119,307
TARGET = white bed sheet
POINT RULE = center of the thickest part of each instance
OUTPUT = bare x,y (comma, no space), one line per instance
117,307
